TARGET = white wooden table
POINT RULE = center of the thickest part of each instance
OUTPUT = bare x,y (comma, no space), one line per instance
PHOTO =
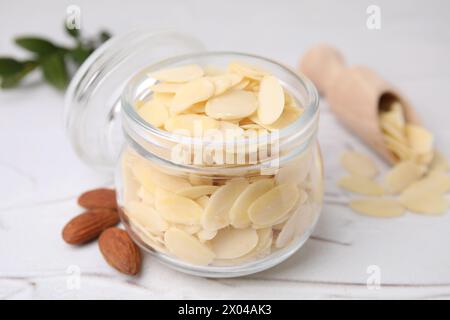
40,176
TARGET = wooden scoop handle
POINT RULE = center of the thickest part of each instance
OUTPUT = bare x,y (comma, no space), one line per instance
322,64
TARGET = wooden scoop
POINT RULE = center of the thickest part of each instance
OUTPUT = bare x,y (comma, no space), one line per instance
355,94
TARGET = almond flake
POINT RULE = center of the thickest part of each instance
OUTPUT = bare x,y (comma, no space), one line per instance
180,74
377,207
359,164
232,105
402,175
191,93
361,185
187,247
270,99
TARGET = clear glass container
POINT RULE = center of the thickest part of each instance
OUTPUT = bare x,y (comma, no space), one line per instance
197,235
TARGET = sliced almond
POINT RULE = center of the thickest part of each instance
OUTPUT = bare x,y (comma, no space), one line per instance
161,194
221,83
216,215
224,82
242,85
138,104
131,185
359,164
199,107
205,235
402,175
271,206
395,132
150,177
290,228
147,217
289,116
179,74
143,174
254,133
265,237
203,201
361,185
179,209
156,242
287,233
401,150
251,126
302,198
439,162
164,98
190,124
424,202
230,130
435,182
270,99
230,243
424,158
377,207
197,180
154,113
166,87
420,139
191,229
246,70
394,115
211,70
308,214
187,247
196,192
191,93
239,211
235,79
146,196
262,248
253,85
296,170
235,104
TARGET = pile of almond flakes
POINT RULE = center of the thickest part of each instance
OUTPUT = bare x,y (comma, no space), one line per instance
418,182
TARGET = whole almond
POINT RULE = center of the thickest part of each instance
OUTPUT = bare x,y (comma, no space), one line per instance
98,198
120,251
89,225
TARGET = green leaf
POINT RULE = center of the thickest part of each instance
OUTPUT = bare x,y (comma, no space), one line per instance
74,33
36,45
54,70
79,54
12,80
10,66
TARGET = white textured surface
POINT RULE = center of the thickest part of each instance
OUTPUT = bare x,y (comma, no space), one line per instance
40,175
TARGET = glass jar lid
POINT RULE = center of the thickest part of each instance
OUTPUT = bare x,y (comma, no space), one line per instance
92,101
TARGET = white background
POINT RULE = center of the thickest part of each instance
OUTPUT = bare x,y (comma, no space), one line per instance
40,176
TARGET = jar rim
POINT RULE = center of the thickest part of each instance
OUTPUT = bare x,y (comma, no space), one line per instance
305,125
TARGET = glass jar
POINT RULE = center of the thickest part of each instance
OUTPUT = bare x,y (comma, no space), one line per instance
157,173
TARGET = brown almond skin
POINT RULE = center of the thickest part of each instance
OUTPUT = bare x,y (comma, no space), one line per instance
120,251
98,198
89,225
